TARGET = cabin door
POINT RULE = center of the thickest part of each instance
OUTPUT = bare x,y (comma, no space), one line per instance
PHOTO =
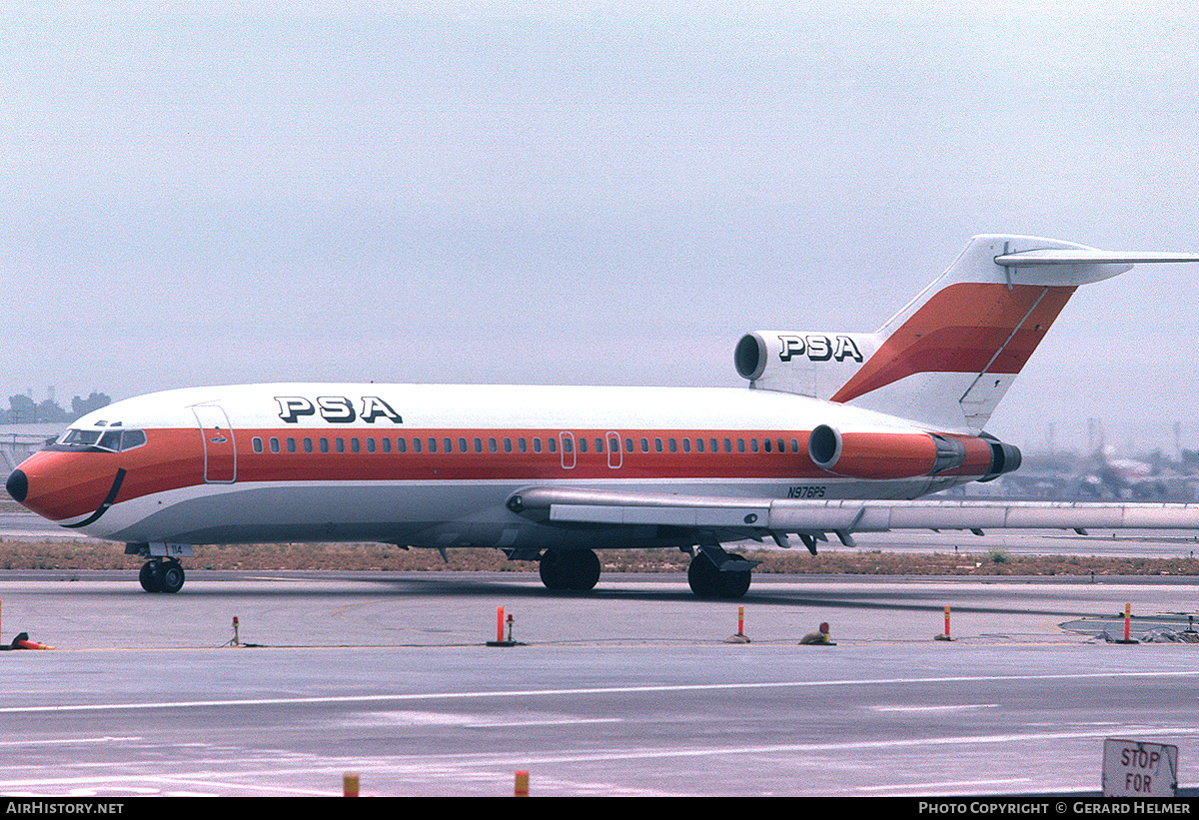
220,451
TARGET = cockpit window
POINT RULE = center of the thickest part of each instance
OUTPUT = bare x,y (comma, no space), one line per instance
80,438
115,441
132,438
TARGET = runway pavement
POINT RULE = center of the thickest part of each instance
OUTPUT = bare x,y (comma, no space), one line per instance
630,690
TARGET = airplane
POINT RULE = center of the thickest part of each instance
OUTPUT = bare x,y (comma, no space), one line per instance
838,433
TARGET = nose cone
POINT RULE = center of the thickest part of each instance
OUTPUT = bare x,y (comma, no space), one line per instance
17,485
60,486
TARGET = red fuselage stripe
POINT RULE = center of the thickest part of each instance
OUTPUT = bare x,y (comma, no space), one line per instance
72,484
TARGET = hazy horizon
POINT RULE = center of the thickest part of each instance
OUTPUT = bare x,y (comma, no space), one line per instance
591,193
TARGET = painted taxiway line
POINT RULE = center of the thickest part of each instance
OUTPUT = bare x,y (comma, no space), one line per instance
590,690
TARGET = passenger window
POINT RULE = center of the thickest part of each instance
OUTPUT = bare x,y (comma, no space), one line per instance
257,444
462,446
274,444
307,445
291,445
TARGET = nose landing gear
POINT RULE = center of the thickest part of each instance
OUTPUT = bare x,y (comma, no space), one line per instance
158,575
162,572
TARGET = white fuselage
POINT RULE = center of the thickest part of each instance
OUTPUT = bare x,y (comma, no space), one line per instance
433,466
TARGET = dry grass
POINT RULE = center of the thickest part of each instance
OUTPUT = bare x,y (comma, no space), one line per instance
61,554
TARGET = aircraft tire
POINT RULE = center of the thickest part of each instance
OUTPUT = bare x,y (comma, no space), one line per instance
734,585
149,577
171,577
703,576
575,570
553,569
584,570
708,582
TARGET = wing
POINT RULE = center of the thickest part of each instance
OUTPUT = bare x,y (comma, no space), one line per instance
734,518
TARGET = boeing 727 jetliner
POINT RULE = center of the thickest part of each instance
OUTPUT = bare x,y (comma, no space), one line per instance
837,433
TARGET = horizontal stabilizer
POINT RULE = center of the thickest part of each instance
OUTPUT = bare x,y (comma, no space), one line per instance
1056,256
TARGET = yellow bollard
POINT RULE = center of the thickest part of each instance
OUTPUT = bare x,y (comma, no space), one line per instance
349,784
522,784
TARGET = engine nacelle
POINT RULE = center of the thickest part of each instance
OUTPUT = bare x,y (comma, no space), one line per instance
804,362
880,454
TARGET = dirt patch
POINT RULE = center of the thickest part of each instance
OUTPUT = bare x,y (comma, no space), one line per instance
364,557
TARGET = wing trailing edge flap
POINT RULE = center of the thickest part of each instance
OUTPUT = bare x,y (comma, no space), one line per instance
780,516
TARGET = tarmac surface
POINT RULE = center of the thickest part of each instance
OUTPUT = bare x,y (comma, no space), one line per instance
628,690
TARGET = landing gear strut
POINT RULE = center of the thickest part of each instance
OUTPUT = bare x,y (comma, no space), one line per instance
576,570
158,575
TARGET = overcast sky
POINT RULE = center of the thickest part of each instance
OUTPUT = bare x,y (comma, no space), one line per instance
200,193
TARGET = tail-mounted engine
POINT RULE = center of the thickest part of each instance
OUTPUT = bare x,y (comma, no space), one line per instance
893,455
802,362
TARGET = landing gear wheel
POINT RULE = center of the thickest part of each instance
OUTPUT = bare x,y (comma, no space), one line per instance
576,570
553,569
170,577
703,576
149,577
161,576
734,585
585,570
709,582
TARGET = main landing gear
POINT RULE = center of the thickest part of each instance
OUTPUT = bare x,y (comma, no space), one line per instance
575,570
714,573
158,575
